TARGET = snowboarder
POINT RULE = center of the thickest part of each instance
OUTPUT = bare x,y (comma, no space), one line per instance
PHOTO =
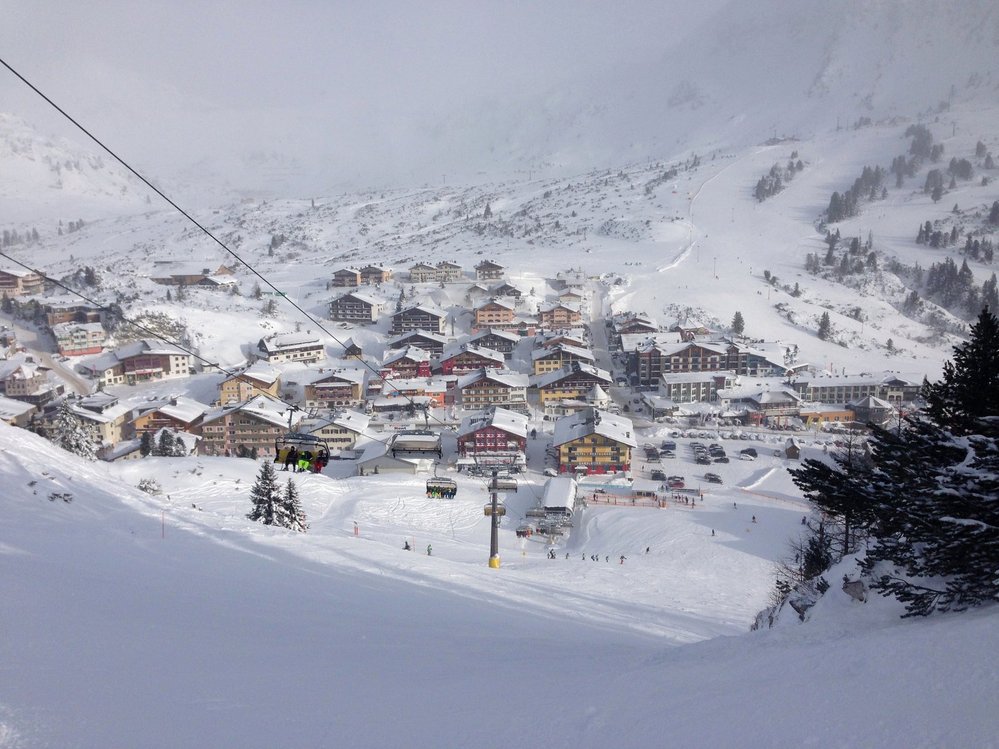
754,518
429,550
712,531
646,549
406,546
622,558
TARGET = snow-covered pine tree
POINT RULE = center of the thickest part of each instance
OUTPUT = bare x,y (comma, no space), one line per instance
179,448
290,513
146,444
265,495
164,445
70,433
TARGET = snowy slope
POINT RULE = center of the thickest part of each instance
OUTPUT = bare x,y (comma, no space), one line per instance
132,620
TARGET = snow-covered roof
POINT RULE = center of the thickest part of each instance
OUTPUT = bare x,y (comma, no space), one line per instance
148,346
509,421
280,341
260,371
353,421
461,348
575,368
424,308
11,408
355,375
497,302
423,384
410,352
579,353
359,296
401,340
505,377
560,493
504,334
66,327
264,408
594,421
183,409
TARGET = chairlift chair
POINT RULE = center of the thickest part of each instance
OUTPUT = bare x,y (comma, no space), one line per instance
302,443
441,488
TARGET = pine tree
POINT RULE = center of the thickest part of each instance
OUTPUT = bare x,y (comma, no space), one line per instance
291,515
969,388
164,446
738,324
265,495
929,498
179,448
69,432
825,327
146,444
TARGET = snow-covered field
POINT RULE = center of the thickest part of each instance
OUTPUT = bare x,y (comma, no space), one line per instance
138,620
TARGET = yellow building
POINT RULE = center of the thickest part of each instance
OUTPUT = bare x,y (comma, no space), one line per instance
572,382
594,441
259,379
552,359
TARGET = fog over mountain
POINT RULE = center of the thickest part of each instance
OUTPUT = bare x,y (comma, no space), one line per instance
326,96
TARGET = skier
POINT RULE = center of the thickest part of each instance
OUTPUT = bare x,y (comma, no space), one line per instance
406,546
623,558
429,550
291,458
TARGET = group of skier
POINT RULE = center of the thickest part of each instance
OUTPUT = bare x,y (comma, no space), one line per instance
304,461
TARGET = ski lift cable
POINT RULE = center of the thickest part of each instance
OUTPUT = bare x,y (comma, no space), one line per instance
197,224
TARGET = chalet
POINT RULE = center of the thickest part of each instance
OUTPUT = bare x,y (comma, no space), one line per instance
245,429
140,361
351,350
345,277
103,416
557,315
476,291
340,430
551,340
373,275
258,379
419,317
550,359
448,272
593,441
508,290
408,362
636,324
56,313
79,338
487,270
694,387
217,283
497,340
496,435
336,388
285,347
848,388
870,409
429,391
570,383
15,283
493,387
571,296
178,273
493,312
648,363
464,358
815,414
429,342
177,414
356,308
574,278
14,412
423,273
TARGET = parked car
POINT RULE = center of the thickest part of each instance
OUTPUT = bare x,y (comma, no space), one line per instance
712,478
658,476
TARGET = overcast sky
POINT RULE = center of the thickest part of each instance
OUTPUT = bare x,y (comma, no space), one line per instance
355,83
